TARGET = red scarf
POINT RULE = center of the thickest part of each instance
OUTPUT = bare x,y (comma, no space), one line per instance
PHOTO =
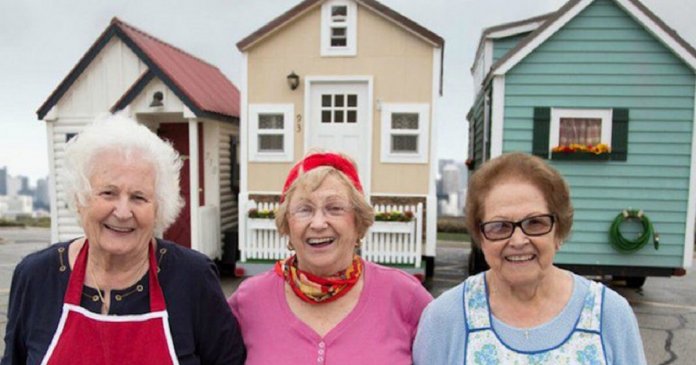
315,289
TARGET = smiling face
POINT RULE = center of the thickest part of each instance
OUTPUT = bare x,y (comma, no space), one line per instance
520,259
322,227
119,215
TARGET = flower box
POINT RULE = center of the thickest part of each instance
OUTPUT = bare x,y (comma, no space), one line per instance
392,227
580,156
581,152
261,223
394,216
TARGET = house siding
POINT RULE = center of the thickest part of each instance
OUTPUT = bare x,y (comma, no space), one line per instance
68,226
400,63
604,59
476,147
228,199
502,45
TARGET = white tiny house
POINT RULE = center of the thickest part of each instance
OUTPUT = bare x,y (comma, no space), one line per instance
182,98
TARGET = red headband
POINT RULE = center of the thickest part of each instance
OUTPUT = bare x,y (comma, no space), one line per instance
315,160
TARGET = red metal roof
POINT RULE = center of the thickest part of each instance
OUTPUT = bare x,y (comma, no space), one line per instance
200,85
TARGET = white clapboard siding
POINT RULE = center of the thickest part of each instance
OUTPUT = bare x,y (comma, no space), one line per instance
68,226
399,243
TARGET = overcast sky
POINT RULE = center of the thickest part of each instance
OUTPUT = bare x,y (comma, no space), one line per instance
40,42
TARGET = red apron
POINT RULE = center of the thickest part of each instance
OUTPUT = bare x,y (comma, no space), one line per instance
84,337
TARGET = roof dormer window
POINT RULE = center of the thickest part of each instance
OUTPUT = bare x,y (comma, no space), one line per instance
338,28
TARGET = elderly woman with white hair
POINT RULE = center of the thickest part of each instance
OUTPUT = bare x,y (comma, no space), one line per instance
119,295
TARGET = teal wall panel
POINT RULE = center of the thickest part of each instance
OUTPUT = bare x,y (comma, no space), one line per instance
503,45
605,59
476,147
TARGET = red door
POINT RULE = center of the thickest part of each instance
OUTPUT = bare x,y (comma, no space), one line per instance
177,134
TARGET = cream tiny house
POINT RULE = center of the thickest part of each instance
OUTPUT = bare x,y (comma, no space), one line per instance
352,76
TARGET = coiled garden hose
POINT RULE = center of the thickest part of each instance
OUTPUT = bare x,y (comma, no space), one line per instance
626,245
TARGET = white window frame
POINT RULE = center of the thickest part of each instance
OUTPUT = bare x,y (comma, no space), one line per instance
605,115
420,156
288,110
350,49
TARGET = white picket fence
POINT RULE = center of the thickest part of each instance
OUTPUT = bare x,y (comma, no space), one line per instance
385,242
262,239
395,242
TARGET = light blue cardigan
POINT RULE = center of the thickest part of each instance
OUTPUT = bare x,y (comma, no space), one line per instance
441,337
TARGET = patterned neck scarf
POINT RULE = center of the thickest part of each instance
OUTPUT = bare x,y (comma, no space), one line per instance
315,289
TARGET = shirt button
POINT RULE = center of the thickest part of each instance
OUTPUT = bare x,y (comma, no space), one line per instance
320,359
321,351
321,344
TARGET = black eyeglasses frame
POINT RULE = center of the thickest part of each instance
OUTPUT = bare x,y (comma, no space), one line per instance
518,224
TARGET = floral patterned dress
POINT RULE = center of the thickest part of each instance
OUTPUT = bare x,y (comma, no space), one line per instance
483,346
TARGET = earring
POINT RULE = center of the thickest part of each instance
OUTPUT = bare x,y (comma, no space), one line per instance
290,248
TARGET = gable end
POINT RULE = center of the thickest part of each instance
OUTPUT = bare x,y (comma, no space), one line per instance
69,80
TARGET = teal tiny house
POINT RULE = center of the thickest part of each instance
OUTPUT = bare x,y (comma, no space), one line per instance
604,90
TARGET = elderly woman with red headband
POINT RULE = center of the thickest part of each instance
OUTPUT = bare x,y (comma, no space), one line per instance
325,304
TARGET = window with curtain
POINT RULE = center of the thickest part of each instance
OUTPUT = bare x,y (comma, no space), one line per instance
579,128
585,131
580,134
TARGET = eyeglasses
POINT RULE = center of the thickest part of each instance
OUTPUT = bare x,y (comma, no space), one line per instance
538,225
330,210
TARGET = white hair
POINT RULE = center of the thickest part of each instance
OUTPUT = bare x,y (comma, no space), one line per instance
123,135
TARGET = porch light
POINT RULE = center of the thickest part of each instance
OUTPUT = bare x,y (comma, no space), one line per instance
293,80
157,98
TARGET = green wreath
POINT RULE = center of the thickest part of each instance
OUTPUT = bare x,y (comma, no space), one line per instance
626,245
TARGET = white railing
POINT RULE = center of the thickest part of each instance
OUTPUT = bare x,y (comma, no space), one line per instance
262,239
209,231
395,242
385,242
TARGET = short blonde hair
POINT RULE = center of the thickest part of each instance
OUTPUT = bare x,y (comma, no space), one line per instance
310,181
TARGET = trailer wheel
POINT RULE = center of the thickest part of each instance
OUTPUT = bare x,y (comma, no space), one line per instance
477,262
635,282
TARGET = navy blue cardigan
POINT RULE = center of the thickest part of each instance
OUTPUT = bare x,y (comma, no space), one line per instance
203,328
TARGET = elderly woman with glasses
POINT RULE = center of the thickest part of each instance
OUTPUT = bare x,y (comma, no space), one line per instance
525,310
325,304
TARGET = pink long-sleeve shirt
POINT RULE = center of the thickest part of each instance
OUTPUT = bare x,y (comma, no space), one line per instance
379,330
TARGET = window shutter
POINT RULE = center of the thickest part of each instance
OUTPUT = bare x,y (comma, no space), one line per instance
542,126
619,134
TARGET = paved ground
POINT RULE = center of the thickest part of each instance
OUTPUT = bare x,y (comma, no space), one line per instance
665,307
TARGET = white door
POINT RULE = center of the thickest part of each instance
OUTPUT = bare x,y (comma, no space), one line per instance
339,121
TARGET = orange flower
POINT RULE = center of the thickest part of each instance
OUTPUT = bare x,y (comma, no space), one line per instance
597,149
